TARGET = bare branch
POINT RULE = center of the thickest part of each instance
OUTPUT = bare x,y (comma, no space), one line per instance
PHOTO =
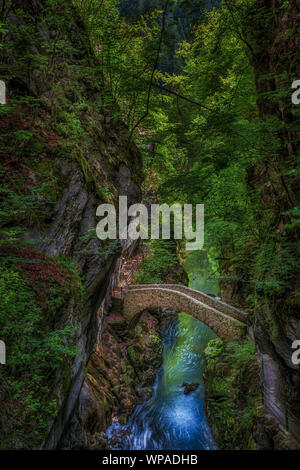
182,97
163,24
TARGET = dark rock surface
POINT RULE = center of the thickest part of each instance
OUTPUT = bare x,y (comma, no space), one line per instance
86,171
276,321
188,388
119,377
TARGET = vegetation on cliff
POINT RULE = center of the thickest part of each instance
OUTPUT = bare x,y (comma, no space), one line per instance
34,290
63,151
209,105
222,130
120,374
161,265
233,393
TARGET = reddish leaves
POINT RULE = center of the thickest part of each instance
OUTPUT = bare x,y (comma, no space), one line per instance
43,273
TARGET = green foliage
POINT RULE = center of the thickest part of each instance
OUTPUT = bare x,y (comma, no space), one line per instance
35,352
289,32
111,247
214,348
285,4
160,261
189,98
232,392
210,154
240,355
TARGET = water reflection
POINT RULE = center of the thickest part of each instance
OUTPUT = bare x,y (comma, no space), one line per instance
200,267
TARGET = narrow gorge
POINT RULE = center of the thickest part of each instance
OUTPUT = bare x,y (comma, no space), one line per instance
142,344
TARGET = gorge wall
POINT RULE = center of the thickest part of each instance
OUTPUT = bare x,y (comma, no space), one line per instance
65,151
271,33
277,324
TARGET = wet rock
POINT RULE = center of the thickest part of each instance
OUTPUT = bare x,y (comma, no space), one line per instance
119,377
144,393
188,388
116,324
99,441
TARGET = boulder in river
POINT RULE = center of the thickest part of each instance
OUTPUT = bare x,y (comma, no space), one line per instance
188,388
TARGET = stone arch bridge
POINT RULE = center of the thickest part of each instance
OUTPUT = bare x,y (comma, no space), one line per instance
229,323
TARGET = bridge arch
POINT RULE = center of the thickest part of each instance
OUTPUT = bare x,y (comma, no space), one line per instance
227,322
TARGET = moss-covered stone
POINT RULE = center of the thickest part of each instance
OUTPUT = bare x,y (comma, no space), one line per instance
232,393
61,159
121,374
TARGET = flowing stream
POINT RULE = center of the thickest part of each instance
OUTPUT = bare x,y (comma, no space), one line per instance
170,419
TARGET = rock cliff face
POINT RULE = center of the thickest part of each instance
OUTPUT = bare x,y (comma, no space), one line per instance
277,324
67,152
120,374
271,32
233,388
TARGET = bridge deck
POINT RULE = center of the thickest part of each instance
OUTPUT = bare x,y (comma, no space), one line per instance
227,322
198,295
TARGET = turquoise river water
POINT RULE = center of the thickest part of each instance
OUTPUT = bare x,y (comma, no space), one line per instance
171,420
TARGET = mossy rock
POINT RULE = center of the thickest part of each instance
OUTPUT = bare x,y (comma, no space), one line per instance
188,388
